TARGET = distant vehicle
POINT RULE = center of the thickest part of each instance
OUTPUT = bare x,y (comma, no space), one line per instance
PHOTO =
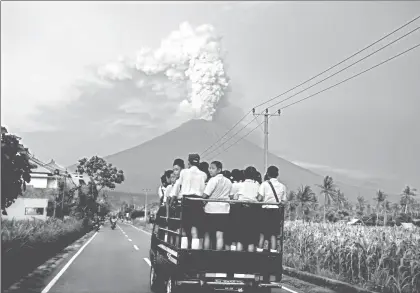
173,268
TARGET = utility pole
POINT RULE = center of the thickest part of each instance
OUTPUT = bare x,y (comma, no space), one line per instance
64,193
56,172
266,116
146,190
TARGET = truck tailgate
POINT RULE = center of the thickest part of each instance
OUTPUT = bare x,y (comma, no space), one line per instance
230,261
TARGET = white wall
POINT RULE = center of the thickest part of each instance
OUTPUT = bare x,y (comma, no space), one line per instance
42,181
18,208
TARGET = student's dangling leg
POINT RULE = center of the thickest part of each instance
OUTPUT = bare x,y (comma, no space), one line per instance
219,240
261,242
273,243
207,241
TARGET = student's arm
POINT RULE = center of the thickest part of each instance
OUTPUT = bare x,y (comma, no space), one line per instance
211,185
284,197
261,193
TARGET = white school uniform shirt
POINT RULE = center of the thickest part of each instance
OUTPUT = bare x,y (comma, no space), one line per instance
248,190
266,191
161,192
167,192
235,188
191,181
218,187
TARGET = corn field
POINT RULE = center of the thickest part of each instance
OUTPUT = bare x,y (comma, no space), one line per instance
382,259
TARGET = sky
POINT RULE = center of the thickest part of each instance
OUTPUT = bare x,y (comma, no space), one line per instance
70,79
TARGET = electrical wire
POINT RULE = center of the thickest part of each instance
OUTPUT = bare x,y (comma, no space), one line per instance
337,64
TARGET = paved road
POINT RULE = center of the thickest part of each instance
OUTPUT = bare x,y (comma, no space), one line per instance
112,261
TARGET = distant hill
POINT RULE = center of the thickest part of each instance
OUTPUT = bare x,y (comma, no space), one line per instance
145,163
116,198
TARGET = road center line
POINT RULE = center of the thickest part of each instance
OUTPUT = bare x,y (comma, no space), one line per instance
135,247
147,261
61,272
129,239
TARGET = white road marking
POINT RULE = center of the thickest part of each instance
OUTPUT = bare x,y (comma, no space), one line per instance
126,235
148,233
129,239
147,261
60,273
135,247
287,289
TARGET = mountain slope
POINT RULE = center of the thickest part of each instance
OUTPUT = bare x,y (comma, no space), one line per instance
144,164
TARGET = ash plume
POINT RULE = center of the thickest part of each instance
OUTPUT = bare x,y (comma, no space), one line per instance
187,69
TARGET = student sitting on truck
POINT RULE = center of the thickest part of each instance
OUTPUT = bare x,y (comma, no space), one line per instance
191,183
246,218
216,213
270,191
171,225
178,165
231,235
162,188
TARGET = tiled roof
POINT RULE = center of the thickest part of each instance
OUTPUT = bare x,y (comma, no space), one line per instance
54,166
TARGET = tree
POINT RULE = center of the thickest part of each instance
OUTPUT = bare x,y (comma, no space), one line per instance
361,202
328,190
340,199
291,202
102,173
305,197
407,197
380,198
15,168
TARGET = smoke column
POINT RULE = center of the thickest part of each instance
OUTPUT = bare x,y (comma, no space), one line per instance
187,69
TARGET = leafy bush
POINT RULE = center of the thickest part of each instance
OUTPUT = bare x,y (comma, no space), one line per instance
29,243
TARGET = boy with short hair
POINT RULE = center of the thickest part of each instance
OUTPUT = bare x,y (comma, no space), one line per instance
191,183
216,213
270,191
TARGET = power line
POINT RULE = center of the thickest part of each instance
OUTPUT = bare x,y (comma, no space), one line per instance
232,136
341,62
226,132
401,27
360,73
237,140
328,77
328,88
354,63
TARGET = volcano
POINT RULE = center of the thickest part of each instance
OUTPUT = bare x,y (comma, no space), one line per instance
145,163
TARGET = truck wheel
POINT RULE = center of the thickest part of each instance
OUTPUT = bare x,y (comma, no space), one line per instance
156,284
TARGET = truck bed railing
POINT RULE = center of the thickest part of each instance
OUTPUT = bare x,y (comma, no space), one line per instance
232,201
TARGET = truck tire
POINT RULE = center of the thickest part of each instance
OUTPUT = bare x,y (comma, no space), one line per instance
156,284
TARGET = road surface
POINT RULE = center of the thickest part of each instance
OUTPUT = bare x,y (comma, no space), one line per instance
111,261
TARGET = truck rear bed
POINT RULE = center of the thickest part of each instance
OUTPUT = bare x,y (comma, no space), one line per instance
230,262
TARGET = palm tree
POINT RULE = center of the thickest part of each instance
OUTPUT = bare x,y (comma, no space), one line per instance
340,198
328,190
361,202
387,207
306,197
380,198
395,208
291,202
407,197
